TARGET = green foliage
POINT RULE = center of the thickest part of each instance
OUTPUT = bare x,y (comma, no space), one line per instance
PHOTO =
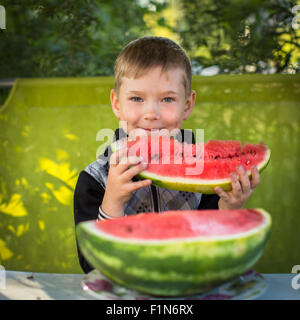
83,38
68,38
236,33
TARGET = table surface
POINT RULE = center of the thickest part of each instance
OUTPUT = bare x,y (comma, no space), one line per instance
19,285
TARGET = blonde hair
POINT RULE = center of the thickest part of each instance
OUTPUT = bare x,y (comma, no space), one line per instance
140,55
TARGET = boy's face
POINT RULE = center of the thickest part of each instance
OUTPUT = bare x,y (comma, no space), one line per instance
153,101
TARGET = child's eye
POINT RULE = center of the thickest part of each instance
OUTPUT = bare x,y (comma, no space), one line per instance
168,99
136,99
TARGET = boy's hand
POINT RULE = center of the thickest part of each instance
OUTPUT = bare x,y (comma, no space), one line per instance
119,186
242,188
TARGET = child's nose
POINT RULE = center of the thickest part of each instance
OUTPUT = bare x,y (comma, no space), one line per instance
151,116
152,112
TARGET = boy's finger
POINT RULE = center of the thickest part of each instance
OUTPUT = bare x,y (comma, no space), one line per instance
236,186
133,171
125,164
244,179
139,184
113,159
131,160
255,177
222,194
117,155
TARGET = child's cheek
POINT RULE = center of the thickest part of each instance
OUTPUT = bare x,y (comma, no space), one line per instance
172,117
130,114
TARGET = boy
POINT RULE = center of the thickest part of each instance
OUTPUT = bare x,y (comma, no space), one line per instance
152,92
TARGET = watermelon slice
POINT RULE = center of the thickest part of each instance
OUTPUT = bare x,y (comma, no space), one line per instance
194,168
175,253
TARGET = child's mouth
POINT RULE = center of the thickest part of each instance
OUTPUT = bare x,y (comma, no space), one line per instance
148,131
153,129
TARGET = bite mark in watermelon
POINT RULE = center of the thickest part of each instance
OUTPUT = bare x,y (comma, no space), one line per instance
176,253
195,168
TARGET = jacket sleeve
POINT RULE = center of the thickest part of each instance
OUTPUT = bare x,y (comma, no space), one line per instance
88,196
209,201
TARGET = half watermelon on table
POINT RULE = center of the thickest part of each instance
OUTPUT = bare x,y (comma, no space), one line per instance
176,253
194,167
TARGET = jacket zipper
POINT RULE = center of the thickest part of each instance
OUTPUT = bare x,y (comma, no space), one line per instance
155,198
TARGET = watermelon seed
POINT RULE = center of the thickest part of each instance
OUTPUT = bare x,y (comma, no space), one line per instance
129,228
154,156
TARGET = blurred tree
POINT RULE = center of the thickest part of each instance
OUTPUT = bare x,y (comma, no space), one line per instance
240,36
163,22
69,38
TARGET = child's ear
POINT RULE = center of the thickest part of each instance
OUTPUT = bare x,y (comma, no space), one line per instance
189,105
115,103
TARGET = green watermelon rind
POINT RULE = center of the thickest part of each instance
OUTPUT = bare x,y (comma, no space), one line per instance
176,267
204,186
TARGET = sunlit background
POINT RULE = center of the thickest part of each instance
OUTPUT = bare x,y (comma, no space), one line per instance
56,67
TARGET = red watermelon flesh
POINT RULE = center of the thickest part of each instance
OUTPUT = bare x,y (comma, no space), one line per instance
183,224
215,149
220,157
